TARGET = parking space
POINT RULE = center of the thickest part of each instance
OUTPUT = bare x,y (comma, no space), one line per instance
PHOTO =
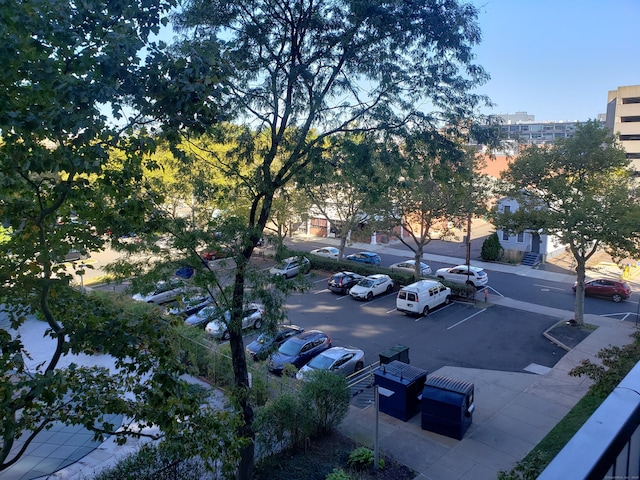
459,334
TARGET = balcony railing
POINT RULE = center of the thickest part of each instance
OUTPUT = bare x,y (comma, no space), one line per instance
608,444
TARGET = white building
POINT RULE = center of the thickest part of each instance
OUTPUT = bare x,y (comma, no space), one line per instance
530,246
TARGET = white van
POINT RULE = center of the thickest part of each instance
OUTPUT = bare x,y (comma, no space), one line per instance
420,297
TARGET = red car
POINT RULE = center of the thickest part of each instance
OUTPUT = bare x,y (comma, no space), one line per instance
603,287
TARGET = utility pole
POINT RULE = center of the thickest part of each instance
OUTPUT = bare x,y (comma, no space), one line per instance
468,258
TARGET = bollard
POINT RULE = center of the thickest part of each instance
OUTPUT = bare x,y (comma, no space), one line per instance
486,294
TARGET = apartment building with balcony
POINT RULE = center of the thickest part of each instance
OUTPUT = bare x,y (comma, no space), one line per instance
623,119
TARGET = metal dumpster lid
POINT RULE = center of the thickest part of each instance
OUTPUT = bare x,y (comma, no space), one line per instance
449,384
401,370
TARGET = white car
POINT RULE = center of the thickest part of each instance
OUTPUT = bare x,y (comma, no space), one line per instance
370,286
251,317
341,360
409,266
327,252
472,276
164,292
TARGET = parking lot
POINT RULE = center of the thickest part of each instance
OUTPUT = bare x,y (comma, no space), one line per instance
460,334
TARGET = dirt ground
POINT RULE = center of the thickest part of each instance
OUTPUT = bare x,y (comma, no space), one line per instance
321,457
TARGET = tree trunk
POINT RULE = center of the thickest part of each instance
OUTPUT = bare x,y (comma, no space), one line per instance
417,256
579,303
241,377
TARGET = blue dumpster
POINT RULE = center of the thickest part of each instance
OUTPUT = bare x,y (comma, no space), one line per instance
447,406
399,389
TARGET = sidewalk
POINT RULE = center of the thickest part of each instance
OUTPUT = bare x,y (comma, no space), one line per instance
513,412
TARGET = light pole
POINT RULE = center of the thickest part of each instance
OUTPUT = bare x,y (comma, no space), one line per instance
468,257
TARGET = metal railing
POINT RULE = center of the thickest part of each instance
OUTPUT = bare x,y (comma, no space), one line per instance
608,444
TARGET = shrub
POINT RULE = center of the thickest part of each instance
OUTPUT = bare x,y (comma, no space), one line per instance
338,474
151,462
491,248
362,458
327,397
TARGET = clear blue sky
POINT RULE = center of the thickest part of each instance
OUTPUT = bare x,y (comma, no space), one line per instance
557,59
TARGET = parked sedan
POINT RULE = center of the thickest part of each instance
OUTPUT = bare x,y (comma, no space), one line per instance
298,350
341,360
262,346
251,317
327,252
290,267
409,266
464,274
189,306
603,287
164,292
369,258
341,282
370,286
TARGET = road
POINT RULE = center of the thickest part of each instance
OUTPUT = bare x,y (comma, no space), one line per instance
461,334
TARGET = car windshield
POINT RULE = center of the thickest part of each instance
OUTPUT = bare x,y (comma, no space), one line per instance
207,312
264,338
365,283
321,362
290,348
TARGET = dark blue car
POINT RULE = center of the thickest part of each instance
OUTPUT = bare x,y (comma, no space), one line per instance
298,350
365,257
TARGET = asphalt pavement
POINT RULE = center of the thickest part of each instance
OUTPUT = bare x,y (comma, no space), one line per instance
513,411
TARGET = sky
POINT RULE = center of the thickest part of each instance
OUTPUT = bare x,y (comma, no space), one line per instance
557,59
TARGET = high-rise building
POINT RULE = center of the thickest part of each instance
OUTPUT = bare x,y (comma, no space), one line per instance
524,129
623,119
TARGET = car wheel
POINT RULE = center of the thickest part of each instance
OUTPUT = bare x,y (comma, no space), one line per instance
258,323
389,288
440,277
447,300
425,311
369,296
225,335
470,283
359,366
616,298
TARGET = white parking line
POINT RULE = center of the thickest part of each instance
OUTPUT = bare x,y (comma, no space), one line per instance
464,320
550,288
322,291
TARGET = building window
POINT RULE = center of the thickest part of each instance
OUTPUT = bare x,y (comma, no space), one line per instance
505,236
634,118
634,136
520,238
626,101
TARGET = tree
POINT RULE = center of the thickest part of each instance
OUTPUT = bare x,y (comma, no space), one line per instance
343,189
70,69
579,189
296,72
435,184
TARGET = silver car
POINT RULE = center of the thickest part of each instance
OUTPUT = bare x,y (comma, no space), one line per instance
290,267
164,292
341,360
409,266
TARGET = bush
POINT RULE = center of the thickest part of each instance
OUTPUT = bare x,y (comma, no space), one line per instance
491,248
151,462
327,397
362,458
338,474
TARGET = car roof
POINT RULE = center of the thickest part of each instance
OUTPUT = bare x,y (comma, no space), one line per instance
376,276
345,273
471,268
337,352
308,335
368,254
